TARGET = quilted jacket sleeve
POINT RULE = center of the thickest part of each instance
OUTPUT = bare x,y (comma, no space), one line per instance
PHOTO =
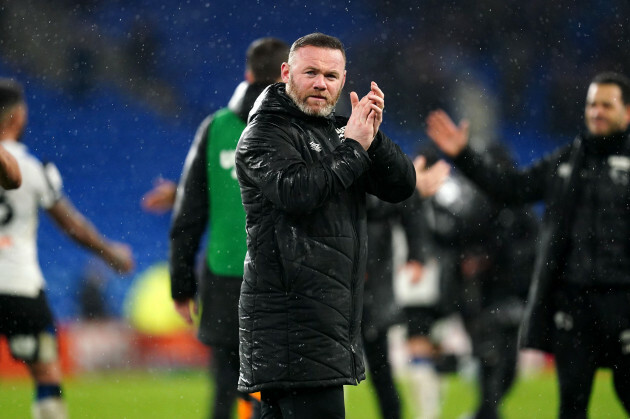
190,216
392,176
507,183
270,159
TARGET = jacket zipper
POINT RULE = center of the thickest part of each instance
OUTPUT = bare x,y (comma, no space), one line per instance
352,323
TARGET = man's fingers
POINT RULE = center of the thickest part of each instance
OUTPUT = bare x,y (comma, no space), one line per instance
464,126
376,108
441,167
420,163
378,101
438,122
439,172
377,90
444,121
354,99
364,109
183,309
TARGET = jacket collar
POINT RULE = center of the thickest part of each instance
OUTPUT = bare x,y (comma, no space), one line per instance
606,145
244,97
276,100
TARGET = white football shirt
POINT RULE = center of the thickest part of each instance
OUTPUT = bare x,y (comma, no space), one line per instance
20,273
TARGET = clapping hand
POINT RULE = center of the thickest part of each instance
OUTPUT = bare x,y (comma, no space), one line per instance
366,117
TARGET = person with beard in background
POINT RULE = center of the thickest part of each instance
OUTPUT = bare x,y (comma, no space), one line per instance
582,272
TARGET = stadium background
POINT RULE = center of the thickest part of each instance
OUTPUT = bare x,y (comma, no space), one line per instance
117,88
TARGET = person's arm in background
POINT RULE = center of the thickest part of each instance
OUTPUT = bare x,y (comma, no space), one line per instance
117,255
10,175
412,222
190,218
503,183
412,218
161,198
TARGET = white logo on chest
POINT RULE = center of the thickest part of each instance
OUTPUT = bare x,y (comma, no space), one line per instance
315,146
227,161
341,132
619,169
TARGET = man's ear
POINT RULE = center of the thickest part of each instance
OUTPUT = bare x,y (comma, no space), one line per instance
343,81
284,72
249,76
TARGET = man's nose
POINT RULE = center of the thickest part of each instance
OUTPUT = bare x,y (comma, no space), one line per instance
319,83
596,111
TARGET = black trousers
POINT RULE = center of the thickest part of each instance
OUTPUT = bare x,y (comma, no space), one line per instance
224,368
497,355
592,329
303,403
377,354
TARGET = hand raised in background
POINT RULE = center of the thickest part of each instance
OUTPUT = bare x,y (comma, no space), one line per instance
450,138
161,198
429,180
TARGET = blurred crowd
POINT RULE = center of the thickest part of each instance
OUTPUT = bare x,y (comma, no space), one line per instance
529,62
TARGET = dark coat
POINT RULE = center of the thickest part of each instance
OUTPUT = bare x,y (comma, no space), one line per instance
380,310
218,295
555,180
303,187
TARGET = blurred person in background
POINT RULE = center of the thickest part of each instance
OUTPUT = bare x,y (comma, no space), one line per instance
25,317
10,175
418,291
209,199
380,311
481,255
304,174
582,272
495,265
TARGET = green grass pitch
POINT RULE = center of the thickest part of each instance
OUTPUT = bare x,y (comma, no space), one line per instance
185,394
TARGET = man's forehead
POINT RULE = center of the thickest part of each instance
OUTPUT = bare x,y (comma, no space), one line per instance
608,91
320,57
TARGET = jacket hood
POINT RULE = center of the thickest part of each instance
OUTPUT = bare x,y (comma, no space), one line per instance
274,99
244,97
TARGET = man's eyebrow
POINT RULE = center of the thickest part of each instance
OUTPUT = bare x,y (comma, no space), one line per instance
319,70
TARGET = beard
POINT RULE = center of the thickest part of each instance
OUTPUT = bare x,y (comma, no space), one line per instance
611,127
301,101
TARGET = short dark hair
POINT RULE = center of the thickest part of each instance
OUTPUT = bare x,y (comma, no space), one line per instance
11,94
617,79
265,57
320,40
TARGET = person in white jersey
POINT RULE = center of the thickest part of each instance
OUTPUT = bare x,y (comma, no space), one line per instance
25,317
10,175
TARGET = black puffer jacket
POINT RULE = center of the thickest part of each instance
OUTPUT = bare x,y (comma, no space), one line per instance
582,185
303,187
